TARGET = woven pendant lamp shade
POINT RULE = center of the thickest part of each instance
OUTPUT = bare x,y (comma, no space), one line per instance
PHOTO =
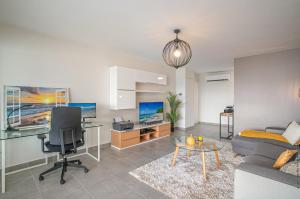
177,52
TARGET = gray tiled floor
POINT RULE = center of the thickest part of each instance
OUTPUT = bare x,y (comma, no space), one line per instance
107,179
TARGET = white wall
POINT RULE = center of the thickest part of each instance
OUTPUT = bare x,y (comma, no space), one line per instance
214,97
186,84
32,59
266,90
196,98
180,91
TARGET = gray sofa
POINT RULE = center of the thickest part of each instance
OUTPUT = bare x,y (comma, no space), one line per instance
258,146
256,178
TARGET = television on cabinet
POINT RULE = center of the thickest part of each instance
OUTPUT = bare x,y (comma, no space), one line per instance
151,112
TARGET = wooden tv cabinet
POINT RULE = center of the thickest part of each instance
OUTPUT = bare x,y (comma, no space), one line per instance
135,136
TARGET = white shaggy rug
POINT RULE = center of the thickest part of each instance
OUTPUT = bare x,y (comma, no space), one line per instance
185,179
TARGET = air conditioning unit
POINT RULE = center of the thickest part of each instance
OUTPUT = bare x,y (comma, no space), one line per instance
217,77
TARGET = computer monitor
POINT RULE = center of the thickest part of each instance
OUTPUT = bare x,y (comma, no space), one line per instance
88,110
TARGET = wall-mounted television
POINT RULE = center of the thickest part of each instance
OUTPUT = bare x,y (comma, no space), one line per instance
88,110
151,112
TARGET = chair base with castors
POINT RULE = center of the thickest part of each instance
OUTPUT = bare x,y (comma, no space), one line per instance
64,165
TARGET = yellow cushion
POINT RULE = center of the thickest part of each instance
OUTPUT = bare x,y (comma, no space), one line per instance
265,135
284,158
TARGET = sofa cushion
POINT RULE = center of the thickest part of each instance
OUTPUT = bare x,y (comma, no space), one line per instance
242,145
292,133
259,160
274,142
263,135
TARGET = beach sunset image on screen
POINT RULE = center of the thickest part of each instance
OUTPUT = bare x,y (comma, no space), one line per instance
41,99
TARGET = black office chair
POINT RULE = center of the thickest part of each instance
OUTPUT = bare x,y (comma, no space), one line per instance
65,136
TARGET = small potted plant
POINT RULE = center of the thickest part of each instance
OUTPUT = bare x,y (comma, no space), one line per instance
173,115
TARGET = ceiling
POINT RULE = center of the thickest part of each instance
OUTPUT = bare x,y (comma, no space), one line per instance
217,30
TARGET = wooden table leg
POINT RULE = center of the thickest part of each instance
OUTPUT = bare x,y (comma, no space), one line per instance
203,165
188,153
175,156
217,156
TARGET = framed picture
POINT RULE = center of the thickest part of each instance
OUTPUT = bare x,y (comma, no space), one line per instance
30,107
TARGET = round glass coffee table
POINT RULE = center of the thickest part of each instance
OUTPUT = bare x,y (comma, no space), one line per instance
203,147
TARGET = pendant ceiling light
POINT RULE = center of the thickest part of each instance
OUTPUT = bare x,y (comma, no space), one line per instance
177,53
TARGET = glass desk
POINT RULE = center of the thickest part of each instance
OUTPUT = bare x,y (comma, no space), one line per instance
202,147
10,135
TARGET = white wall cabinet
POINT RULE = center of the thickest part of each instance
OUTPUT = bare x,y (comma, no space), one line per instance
123,85
125,78
122,88
149,77
126,99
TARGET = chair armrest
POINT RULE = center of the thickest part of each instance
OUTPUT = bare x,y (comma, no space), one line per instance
83,131
277,128
42,138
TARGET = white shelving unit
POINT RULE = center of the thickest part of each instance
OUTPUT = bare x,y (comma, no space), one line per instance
123,86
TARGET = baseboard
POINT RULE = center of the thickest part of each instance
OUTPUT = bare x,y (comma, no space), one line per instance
184,129
214,124
209,123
